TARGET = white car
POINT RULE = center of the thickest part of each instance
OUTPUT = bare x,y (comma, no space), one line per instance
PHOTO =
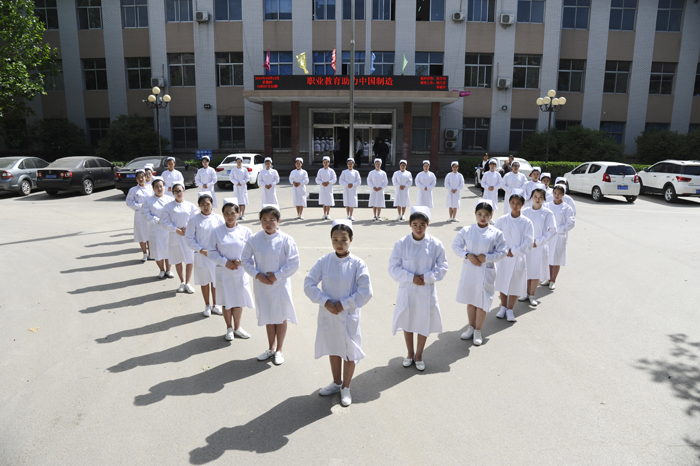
604,179
525,168
672,178
253,162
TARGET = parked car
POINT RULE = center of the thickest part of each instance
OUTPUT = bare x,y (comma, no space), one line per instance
125,178
82,174
672,178
525,168
19,173
601,179
253,162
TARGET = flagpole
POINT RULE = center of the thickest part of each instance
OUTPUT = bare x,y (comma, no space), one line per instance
351,144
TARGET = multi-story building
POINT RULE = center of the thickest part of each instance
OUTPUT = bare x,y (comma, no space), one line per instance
623,65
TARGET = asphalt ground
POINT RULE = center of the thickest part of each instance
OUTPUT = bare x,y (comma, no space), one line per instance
101,363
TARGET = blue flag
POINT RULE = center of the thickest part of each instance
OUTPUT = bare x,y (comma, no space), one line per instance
371,67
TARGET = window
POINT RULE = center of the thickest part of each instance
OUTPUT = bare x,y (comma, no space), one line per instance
530,11
383,10
181,69
475,134
477,70
571,75
580,170
231,132
658,127
138,73
134,13
322,63
668,16
184,129
278,9
576,14
430,10
89,14
229,68
323,9
227,10
617,75
615,129
520,128
281,131
622,15
97,129
594,168
47,12
421,130
359,9
55,83
429,63
384,63
178,11
481,10
95,72
359,63
661,81
526,71
280,63
696,89
563,125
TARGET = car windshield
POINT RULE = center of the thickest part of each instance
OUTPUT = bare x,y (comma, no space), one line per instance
7,163
620,170
692,170
140,163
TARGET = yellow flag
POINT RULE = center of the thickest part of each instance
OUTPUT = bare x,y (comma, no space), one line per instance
301,59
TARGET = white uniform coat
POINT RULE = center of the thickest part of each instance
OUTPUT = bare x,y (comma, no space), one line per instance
345,280
402,178
425,180
511,277
240,175
494,179
198,236
417,309
477,284
173,216
299,193
158,237
377,179
568,199
135,200
350,194
269,177
325,193
509,182
529,187
207,176
565,220
276,253
232,286
538,257
454,181
170,177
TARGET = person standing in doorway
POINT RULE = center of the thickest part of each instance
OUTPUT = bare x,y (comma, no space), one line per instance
383,152
336,152
358,151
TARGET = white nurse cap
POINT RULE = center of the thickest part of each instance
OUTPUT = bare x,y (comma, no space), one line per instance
514,162
454,162
546,175
347,223
299,159
140,170
238,157
488,202
206,157
268,159
178,183
516,192
494,161
562,186
148,166
273,206
325,157
350,159
156,178
231,200
169,159
403,161
377,160
419,209
560,179
426,161
536,169
204,193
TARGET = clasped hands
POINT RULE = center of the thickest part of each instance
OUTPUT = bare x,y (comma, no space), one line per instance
334,309
181,231
233,265
476,260
266,278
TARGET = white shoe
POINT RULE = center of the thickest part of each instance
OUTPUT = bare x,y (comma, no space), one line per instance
533,301
301,218
501,312
161,275
407,362
420,365
522,299
240,333
351,218
189,288
509,315
169,274
552,286
229,334
241,218
398,219
379,219
455,220
279,358
477,338
216,309
144,258
181,288
544,283
468,334
207,310
266,355
330,389
345,397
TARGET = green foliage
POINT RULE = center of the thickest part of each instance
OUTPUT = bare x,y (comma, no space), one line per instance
56,138
555,168
653,146
576,143
467,165
129,137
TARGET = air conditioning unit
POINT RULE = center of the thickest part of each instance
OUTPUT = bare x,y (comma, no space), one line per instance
507,19
451,133
157,82
201,16
458,17
503,83
451,145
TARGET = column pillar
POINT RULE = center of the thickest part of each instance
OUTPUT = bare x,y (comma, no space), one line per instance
434,135
407,131
267,127
295,129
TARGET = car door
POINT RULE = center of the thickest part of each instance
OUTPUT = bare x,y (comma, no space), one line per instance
591,178
650,177
26,168
576,178
94,172
107,172
657,176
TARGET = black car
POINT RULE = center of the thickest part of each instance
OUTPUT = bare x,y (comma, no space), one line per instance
125,178
82,174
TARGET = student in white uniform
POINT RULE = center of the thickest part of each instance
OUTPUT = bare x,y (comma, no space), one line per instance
135,200
198,236
545,179
345,289
228,241
491,181
326,178
268,178
206,179
511,277
454,182
158,237
271,258
531,185
299,179
425,182
417,262
240,176
512,180
481,246
350,180
174,218
377,181
565,220
148,168
537,258
171,176
402,181
568,199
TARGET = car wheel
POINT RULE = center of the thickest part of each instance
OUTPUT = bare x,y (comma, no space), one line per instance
221,185
631,199
125,191
25,188
597,194
51,192
476,180
670,193
641,188
88,187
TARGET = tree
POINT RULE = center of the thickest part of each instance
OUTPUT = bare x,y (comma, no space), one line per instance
653,146
128,137
55,138
576,144
24,59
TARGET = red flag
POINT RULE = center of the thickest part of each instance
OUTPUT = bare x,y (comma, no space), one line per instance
333,60
266,65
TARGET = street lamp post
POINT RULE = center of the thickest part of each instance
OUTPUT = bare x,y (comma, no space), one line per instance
550,104
157,101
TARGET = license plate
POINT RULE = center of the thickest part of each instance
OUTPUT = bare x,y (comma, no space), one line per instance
132,175
50,176
697,191
228,172
623,187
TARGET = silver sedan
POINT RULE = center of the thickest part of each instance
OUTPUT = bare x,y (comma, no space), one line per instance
18,174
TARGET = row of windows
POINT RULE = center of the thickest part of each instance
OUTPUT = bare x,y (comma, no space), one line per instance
575,13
